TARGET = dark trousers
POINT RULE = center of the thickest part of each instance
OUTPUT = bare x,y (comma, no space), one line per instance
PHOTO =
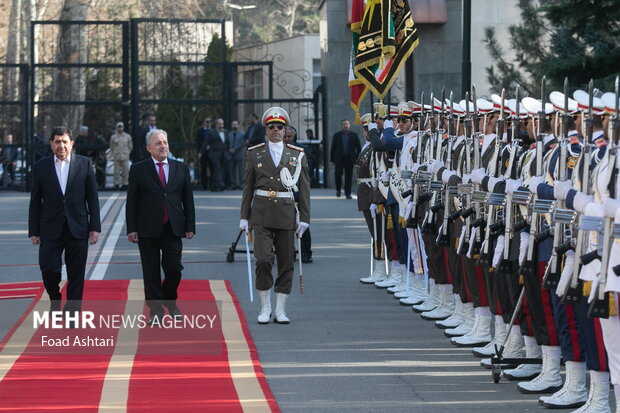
306,244
156,253
217,172
270,243
50,263
378,241
204,175
347,167
540,307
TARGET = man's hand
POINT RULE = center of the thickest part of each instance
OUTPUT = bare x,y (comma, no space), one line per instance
301,228
373,210
244,225
133,237
189,235
35,239
93,237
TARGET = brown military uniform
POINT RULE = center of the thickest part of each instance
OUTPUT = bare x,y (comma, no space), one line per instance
272,217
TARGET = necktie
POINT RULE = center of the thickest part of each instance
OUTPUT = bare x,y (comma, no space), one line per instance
162,180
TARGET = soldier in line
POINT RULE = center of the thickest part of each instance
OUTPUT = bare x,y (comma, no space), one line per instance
273,172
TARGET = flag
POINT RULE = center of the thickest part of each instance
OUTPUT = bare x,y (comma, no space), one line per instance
387,38
358,89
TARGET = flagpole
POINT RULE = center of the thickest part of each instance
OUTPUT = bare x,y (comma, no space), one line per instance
466,65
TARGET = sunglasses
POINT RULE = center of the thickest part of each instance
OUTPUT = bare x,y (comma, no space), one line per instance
272,127
403,119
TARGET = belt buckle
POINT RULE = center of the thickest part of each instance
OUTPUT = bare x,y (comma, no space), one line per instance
272,194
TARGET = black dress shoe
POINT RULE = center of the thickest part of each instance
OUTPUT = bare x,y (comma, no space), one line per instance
338,194
306,260
349,197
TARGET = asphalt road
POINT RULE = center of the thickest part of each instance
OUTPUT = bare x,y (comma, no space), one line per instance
349,347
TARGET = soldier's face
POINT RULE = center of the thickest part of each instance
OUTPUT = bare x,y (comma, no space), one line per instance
275,132
61,146
158,147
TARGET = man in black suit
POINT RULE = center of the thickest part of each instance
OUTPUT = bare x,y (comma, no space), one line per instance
255,135
345,149
203,154
217,147
63,216
159,212
150,124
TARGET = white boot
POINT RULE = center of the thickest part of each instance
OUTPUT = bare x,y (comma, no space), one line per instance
432,302
265,310
574,392
377,275
498,339
393,278
446,305
526,371
598,398
281,317
468,322
457,315
402,283
512,350
407,292
420,293
479,335
549,379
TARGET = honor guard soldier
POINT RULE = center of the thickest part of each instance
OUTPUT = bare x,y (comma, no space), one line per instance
273,172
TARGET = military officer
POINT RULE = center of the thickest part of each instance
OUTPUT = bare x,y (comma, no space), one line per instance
273,172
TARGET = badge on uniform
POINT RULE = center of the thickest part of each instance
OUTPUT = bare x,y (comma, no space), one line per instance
293,161
259,165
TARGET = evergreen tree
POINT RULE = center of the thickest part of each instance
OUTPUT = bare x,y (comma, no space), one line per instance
578,39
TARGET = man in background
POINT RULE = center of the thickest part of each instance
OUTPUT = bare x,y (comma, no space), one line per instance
216,145
203,154
344,152
236,155
120,148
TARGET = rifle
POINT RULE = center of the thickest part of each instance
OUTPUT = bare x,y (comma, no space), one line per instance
465,190
444,237
553,275
412,221
599,307
436,186
574,292
493,221
505,265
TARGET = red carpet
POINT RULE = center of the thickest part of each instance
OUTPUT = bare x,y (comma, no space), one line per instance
132,376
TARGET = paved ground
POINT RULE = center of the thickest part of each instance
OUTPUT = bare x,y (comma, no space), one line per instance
350,347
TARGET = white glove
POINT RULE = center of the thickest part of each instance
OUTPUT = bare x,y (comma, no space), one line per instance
533,183
561,188
466,178
567,273
446,174
611,206
373,210
494,181
301,228
436,166
243,225
385,178
524,239
581,201
388,123
373,182
499,251
371,126
477,175
512,185
415,168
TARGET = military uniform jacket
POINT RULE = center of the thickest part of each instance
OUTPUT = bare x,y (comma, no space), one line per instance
262,173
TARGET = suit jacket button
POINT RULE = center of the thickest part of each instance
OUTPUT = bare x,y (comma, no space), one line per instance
271,177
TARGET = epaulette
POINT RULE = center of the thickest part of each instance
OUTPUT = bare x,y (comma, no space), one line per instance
251,148
297,148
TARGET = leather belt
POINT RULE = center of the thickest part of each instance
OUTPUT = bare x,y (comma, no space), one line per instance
273,194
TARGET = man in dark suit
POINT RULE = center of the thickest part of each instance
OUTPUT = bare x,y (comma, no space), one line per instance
203,154
159,212
150,124
236,155
345,149
63,216
216,145
255,135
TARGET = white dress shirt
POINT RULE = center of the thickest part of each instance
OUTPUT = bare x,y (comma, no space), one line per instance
166,167
275,149
62,171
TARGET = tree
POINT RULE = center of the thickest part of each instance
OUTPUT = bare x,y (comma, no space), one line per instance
578,39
